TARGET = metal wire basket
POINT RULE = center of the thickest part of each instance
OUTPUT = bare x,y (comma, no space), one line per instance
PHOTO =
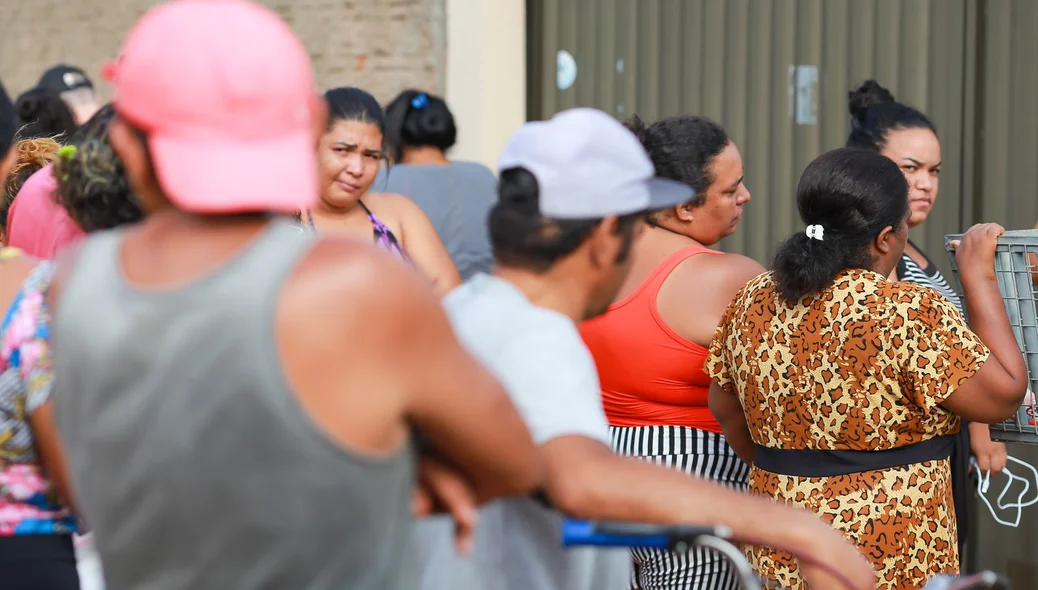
1016,267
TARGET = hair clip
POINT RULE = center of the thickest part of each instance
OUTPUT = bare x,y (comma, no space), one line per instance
420,101
815,232
67,152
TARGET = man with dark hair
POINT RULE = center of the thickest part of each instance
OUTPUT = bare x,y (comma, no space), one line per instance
74,87
573,192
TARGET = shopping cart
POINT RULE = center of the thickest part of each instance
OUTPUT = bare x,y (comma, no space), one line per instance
1016,268
681,538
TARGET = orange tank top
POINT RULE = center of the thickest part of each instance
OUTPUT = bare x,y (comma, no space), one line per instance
650,375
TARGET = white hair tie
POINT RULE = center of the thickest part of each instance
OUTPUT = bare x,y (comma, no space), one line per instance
815,232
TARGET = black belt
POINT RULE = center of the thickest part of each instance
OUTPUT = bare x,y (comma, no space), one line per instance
819,463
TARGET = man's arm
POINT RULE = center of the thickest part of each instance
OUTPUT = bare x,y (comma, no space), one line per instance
587,481
459,409
372,358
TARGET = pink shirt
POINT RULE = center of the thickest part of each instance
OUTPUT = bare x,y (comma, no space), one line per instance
35,223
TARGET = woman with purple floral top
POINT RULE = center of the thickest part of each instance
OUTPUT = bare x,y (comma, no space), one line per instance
349,154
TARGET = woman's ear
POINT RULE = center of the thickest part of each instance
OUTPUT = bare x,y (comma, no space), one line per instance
886,241
685,212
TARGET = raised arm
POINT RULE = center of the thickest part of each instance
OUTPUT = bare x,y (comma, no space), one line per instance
996,390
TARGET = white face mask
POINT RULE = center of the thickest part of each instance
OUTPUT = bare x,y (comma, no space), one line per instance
984,482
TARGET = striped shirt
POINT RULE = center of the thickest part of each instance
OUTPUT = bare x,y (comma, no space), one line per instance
909,271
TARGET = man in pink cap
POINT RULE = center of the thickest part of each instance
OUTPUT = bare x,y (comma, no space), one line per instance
36,224
236,399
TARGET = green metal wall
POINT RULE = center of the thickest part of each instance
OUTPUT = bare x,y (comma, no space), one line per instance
971,65
1002,185
736,61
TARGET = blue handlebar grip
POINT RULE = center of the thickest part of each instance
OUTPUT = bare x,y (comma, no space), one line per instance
582,532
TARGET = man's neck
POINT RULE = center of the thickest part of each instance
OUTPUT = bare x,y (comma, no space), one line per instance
556,290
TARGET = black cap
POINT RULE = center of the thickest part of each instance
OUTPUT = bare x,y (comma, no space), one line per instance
8,124
62,78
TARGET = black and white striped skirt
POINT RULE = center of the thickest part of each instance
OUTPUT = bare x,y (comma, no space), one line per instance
696,452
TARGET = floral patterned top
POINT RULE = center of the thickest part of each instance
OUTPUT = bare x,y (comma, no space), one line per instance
28,502
384,237
863,366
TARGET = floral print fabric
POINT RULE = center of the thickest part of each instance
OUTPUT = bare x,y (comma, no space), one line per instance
28,503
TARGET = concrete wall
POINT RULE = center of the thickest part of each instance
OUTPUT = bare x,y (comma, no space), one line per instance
382,46
486,75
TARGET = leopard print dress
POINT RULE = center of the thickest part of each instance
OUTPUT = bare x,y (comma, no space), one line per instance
862,366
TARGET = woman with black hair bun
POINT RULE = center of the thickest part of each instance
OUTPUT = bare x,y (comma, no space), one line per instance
457,196
43,113
905,135
844,389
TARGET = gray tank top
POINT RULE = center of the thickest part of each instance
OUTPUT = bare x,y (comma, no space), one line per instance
191,460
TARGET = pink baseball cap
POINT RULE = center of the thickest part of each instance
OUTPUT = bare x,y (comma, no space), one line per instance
224,91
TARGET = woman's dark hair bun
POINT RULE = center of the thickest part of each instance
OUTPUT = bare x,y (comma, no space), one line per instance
416,118
868,95
875,113
28,107
43,113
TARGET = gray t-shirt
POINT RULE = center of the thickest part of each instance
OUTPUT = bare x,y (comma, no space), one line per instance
538,355
457,197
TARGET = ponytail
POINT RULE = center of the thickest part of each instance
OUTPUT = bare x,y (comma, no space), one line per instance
847,197
805,266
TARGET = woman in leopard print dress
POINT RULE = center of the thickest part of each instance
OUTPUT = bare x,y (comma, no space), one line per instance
844,389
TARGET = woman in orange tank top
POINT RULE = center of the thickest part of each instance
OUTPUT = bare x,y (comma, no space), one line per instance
650,346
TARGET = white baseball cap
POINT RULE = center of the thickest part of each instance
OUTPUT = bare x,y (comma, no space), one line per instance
589,166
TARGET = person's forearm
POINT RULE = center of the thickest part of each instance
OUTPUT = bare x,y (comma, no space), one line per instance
988,319
486,486
738,436
622,489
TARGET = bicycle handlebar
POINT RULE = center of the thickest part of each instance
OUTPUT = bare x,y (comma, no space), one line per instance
674,538
625,534
680,538
981,581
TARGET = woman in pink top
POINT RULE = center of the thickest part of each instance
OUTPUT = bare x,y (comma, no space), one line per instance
32,155
47,215
35,223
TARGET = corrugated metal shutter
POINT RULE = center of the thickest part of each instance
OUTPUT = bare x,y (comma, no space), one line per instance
775,73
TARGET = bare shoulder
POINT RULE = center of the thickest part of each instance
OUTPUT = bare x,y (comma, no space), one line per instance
724,273
400,205
342,332
14,269
354,282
